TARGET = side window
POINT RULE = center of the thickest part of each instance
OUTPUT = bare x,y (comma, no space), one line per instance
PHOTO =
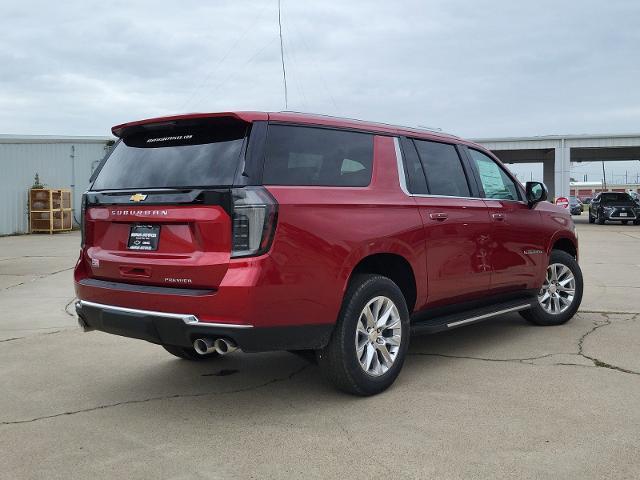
495,182
443,169
317,156
416,183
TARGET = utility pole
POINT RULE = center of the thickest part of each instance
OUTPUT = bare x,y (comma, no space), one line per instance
604,178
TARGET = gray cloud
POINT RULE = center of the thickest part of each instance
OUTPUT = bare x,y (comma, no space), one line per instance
483,68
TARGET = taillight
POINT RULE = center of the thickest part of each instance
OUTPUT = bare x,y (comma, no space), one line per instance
83,222
253,221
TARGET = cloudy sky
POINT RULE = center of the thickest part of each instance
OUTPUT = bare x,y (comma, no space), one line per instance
474,68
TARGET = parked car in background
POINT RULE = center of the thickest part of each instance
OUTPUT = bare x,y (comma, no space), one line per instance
575,206
587,200
332,238
614,207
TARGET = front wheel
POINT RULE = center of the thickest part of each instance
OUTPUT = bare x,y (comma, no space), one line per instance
370,340
624,222
561,292
591,218
600,218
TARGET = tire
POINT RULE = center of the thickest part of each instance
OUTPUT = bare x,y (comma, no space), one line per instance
600,219
624,222
189,353
591,219
636,222
538,314
339,361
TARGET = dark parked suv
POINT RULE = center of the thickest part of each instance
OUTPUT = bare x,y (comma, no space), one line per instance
614,207
332,238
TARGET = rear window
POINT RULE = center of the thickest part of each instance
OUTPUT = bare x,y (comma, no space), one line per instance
442,167
317,156
174,156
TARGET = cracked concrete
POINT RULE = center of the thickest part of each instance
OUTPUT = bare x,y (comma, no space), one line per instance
34,287
501,399
577,358
161,397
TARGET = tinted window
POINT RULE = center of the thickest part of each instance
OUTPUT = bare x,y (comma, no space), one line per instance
443,169
416,183
495,182
187,156
317,156
615,197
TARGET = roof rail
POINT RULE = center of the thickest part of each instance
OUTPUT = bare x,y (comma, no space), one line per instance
419,128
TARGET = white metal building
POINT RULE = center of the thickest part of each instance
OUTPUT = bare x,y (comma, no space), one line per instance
61,162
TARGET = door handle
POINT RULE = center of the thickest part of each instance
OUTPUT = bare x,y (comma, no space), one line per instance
498,216
440,216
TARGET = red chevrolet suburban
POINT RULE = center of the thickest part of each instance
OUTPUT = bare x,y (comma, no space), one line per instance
329,237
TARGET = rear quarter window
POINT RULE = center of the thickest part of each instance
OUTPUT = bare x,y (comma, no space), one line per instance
298,155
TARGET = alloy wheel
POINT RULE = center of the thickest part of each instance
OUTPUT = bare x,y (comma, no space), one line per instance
558,289
378,336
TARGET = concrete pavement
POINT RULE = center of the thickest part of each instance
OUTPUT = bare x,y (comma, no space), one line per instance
502,399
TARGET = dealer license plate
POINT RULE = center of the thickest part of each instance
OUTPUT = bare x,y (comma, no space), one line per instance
143,237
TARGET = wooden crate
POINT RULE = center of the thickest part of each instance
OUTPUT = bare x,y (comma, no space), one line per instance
50,210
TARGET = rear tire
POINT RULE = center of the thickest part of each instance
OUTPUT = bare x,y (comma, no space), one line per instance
364,355
538,314
189,353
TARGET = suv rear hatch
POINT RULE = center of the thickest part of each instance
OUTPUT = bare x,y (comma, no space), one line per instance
164,209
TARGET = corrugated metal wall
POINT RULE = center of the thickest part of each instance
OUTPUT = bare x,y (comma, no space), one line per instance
55,160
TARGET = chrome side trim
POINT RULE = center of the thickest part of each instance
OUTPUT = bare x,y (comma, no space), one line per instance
488,315
186,318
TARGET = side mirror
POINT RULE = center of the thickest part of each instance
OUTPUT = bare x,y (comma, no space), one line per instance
536,192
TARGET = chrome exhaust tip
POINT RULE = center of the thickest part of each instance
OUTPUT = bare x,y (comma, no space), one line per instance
224,346
203,346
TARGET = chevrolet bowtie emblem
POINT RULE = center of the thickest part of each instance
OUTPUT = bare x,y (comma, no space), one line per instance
138,197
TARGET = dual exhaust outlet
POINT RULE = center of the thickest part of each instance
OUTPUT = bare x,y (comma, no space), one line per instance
221,346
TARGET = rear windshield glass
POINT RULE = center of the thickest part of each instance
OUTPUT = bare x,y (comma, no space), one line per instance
317,156
199,155
615,197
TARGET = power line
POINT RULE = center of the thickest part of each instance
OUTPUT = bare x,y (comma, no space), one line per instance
197,92
284,70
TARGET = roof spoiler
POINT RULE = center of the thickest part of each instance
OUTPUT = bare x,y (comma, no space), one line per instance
125,129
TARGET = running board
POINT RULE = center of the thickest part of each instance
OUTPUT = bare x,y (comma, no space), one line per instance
447,322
